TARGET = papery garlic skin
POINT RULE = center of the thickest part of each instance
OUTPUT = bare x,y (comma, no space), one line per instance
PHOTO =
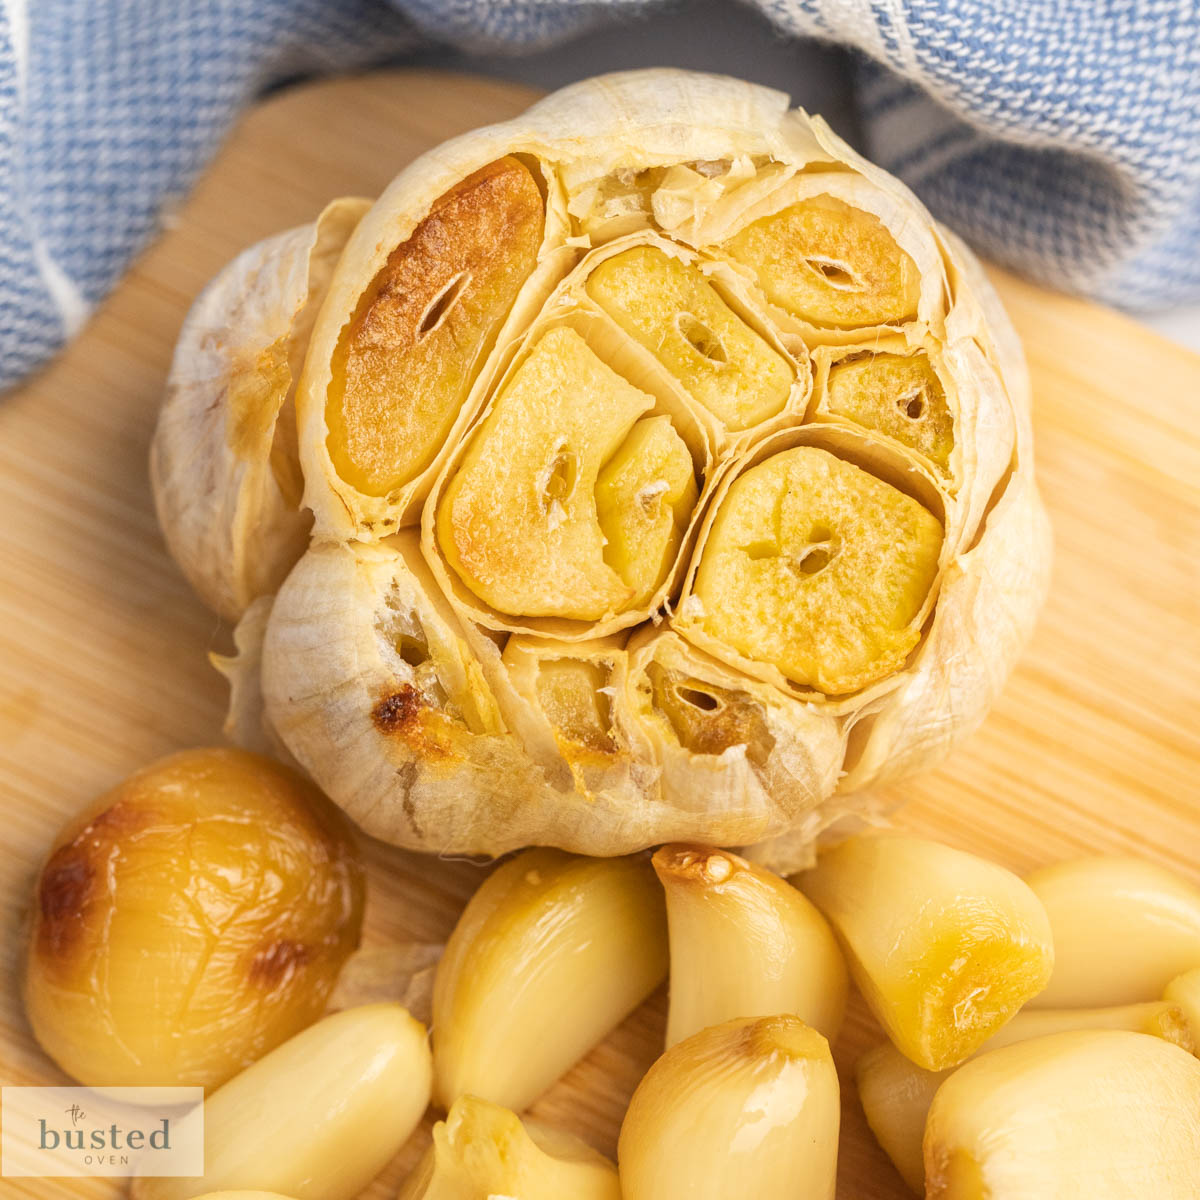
223,462
677,177
1099,1115
320,1116
896,1093
552,953
745,943
482,1152
946,947
1123,929
745,1108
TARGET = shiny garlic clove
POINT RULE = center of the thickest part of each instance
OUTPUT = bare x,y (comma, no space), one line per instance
1105,1115
746,1108
1123,929
946,947
745,943
1184,992
552,953
483,1152
320,1116
896,1093
242,1195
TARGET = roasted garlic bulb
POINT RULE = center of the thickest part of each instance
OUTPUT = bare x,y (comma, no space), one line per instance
669,473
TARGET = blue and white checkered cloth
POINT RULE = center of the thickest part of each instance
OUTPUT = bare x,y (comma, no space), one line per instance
1061,137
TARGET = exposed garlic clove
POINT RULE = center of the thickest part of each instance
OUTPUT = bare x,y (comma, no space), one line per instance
552,952
484,1152
1184,992
945,946
896,1093
745,943
1123,929
1101,1114
320,1116
746,1108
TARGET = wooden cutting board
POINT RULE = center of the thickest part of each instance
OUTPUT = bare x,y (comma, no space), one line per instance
1095,745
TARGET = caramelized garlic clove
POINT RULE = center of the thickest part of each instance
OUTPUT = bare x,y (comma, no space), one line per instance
645,495
746,1108
945,946
1123,928
1103,1114
552,952
818,569
518,520
897,395
830,264
194,917
671,309
744,943
482,1151
408,355
896,1093
320,1116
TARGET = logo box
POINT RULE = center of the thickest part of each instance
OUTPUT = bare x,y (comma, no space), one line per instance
75,1132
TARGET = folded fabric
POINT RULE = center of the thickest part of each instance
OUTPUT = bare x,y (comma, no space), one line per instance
1060,137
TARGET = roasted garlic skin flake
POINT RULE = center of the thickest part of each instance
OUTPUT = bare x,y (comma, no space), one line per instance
194,917
664,387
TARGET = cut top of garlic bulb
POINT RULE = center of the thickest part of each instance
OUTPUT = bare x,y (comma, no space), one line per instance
658,359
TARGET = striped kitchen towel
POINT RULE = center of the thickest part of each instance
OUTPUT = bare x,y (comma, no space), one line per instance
1061,137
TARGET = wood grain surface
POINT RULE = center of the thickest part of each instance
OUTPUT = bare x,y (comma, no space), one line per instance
1095,745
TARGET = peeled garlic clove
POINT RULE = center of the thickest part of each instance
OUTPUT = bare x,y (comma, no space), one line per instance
190,920
223,462
483,1152
1123,929
830,264
899,395
242,1195
571,945
320,1116
744,943
676,313
1184,992
1102,1114
946,947
746,1108
816,569
896,1093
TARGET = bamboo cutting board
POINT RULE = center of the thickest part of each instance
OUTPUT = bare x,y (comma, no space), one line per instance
1095,746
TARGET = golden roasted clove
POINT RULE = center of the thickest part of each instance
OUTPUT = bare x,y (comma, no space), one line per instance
745,943
1102,1114
552,952
746,1108
317,1118
946,947
1123,929
484,1152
